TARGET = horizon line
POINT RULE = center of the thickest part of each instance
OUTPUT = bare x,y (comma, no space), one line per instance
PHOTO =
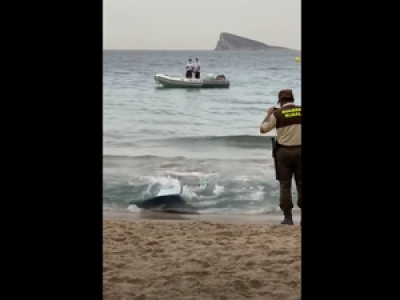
139,49
126,49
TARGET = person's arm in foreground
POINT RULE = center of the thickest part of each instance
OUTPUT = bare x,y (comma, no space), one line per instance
269,122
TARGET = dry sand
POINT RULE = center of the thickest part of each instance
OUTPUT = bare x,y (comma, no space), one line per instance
199,260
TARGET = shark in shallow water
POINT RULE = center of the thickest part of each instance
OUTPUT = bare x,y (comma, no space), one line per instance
167,200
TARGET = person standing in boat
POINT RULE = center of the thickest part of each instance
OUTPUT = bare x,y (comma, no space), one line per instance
197,69
189,69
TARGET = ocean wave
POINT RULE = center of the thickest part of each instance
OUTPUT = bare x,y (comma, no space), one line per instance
208,195
241,141
200,144
168,159
142,157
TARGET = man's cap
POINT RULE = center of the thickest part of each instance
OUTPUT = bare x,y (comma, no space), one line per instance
285,94
190,59
197,58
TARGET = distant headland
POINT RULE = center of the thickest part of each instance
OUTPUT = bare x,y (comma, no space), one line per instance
232,42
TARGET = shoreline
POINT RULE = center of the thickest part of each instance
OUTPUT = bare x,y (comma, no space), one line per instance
270,218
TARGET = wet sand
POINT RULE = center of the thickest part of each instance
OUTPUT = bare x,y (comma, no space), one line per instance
168,256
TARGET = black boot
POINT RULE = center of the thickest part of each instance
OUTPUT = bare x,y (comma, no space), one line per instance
288,220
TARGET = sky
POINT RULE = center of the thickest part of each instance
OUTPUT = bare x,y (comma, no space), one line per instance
188,24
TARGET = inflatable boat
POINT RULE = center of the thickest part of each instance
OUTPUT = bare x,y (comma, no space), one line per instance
210,81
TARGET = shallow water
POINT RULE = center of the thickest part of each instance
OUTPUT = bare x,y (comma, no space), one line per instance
208,140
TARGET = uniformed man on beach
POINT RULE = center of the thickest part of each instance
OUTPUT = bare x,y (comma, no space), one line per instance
287,121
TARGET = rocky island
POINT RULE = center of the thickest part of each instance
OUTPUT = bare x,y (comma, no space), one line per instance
229,41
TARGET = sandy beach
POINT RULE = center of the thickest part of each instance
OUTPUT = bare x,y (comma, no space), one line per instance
165,256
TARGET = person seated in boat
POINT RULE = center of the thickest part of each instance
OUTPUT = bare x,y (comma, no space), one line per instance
197,69
189,69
